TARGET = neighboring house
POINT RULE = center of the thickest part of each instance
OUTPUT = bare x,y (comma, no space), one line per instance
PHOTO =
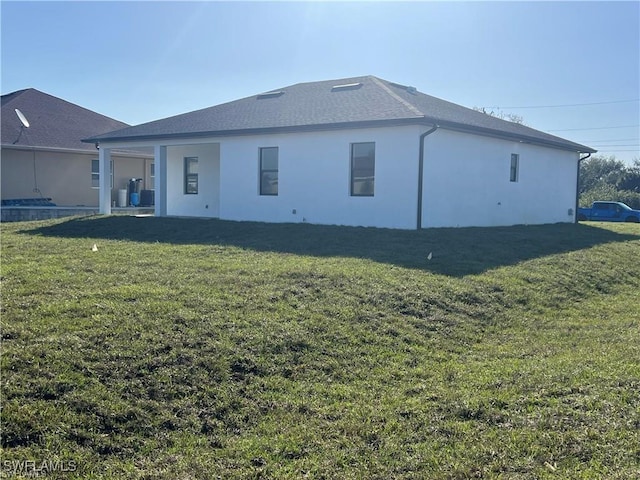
358,151
47,158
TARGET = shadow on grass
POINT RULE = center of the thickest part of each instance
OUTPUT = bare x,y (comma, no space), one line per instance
455,251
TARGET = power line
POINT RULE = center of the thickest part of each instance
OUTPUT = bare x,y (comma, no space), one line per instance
570,104
594,128
611,140
607,150
617,145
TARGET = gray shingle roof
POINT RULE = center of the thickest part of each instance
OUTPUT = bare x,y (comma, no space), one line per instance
360,102
53,122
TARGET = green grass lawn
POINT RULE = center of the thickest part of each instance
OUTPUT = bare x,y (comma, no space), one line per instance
203,349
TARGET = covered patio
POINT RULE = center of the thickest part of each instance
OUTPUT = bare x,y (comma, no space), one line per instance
186,178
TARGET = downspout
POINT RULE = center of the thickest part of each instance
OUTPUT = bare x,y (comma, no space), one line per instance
578,187
420,174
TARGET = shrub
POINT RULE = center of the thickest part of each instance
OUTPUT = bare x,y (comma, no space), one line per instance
606,192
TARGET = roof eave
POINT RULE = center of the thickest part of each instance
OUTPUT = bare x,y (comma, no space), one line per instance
37,148
569,146
566,145
259,131
78,151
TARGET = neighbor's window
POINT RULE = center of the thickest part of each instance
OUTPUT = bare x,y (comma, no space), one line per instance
363,163
152,176
515,160
95,173
269,171
190,175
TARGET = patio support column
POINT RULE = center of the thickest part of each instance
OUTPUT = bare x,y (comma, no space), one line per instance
160,154
104,193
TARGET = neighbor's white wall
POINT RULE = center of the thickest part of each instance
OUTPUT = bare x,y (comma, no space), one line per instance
466,182
314,178
206,203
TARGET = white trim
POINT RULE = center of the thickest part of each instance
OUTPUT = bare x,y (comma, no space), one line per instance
160,187
93,153
104,158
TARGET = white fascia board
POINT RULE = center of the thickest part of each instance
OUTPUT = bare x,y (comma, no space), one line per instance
114,151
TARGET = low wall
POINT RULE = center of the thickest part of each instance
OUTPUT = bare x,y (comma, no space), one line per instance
23,214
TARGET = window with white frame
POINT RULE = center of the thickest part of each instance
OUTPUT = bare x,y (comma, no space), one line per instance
363,166
95,173
190,175
152,176
269,171
515,167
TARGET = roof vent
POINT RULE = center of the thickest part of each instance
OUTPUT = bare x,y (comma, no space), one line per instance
270,94
346,86
412,90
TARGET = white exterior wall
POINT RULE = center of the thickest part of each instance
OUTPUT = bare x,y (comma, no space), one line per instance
206,203
314,178
466,182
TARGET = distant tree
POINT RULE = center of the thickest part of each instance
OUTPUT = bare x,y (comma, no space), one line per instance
631,178
600,170
608,179
510,117
603,192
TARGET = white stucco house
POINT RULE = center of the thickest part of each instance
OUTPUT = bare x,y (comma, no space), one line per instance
357,151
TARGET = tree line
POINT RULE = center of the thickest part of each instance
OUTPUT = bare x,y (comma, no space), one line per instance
605,178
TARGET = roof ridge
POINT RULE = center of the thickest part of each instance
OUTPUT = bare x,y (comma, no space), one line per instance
397,97
17,92
11,96
327,80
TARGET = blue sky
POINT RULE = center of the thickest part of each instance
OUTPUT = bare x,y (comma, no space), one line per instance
140,61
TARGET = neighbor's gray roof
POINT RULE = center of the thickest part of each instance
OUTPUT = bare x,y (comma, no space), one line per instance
369,101
53,122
